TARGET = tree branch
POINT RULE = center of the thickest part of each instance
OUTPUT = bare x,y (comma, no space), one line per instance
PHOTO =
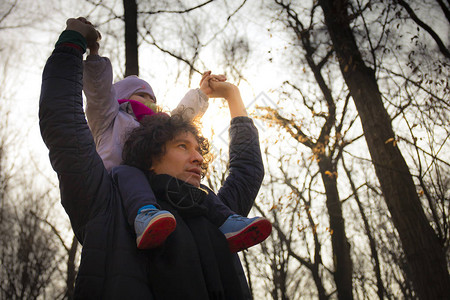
427,28
176,11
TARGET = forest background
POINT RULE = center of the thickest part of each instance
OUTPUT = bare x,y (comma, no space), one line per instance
351,99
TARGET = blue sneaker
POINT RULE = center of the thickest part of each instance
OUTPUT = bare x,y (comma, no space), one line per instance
242,233
152,227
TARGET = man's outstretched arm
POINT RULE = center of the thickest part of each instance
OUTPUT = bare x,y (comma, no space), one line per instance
64,130
246,170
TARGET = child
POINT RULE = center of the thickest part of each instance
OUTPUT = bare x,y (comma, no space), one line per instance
112,111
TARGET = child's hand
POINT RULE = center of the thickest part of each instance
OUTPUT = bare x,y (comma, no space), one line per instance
93,49
86,28
205,82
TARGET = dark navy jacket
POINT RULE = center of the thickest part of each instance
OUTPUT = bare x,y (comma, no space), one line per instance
111,266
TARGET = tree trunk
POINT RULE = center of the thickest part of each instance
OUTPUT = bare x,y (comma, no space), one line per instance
248,272
371,238
423,251
322,294
339,242
131,38
71,268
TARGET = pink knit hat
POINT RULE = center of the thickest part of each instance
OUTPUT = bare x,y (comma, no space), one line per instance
131,85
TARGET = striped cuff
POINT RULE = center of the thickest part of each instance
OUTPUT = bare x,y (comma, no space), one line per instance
72,39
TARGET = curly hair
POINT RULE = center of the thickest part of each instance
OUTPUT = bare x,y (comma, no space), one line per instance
146,143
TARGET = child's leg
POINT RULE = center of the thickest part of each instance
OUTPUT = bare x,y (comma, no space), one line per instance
135,190
152,225
218,212
240,232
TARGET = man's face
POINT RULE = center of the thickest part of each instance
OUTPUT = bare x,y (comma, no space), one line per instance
182,159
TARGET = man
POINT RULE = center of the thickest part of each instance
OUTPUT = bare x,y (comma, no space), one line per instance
111,266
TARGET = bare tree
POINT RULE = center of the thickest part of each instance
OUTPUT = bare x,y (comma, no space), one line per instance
325,150
28,252
285,245
420,243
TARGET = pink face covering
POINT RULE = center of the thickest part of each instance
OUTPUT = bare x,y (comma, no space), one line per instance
139,109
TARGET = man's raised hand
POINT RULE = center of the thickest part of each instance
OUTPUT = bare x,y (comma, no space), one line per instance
86,29
205,83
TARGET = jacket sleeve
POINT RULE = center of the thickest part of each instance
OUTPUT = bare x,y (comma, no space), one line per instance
101,103
246,169
84,182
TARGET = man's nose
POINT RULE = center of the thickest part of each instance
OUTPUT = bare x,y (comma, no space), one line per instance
197,157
